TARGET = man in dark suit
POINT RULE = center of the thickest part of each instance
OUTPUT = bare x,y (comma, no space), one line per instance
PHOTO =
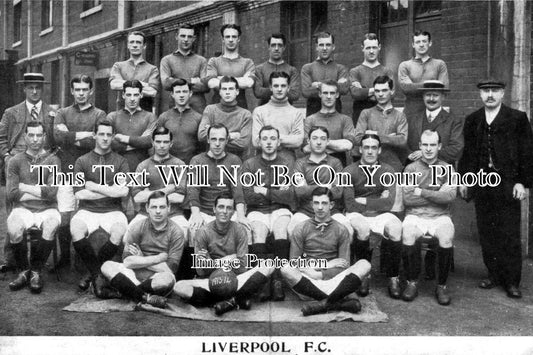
499,139
435,118
12,127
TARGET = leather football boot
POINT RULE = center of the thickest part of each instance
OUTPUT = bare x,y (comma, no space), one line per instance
20,281
314,307
487,283
265,293
85,282
277,290
36,282
364,289
410,292
513,292
4,268
154,300
244,303
346,305
441,293
394,288
225,306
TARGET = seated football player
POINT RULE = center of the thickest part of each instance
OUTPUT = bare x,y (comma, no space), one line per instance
368,205
99,202
325,241
33,207
152,253
313,168
427,208
222,241
269,206
209,184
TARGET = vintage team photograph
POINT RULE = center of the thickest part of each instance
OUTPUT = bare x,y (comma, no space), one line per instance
267,168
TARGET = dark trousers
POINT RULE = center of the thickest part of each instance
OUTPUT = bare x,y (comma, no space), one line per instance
498,222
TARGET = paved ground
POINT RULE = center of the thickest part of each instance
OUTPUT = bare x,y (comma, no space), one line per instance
473,311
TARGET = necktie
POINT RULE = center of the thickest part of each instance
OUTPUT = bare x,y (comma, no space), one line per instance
34,113
430,117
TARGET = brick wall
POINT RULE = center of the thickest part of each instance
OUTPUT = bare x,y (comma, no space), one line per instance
100,22
142,10
464,49
49,40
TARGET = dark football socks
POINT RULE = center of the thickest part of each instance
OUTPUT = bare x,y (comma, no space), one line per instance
201,297
444,256
362,250
42,253
146,286
87,255
252,285
282,248
411,260
126,287
20,254
307,288
394,259
350,283
107,252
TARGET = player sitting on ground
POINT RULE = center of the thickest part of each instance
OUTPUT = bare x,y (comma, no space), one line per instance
151,256
225,241
324,238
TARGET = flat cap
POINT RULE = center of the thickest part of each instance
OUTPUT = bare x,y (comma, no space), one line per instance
433,85
491,83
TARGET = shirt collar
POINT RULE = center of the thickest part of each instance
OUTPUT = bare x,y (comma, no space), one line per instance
434,113
136,110
38,105
386,110
162,160
323,161
178,53
77,107
164,229
271,62
324,62
185,108
421,61
139,62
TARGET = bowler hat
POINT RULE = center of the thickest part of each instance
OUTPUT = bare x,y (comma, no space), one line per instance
433,85
491,83
37,78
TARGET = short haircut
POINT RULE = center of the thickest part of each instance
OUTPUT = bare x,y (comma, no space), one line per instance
159,131
318,128
278,36
81,78
371,136
429,132
228,79
138,33
217,126
156,194
422,33
384,79
268,128
186,26
320,191
279,74
324,34
370,37
330,83
34,124
132,84
179,82
230,26
104,122
225,195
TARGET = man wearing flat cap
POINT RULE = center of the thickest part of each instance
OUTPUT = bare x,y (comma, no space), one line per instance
435,118
13,125
498,139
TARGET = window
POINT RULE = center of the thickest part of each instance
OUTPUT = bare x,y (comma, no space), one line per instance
46,14
302,20
201,31
55,83
89,4
17,23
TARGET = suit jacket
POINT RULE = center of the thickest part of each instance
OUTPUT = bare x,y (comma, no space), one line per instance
14,121
513,145
450,129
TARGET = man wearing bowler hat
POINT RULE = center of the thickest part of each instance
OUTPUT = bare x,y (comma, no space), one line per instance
435,118
13,125
498,139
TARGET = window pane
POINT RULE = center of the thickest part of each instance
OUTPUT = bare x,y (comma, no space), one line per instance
394,11
427,7
17,13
